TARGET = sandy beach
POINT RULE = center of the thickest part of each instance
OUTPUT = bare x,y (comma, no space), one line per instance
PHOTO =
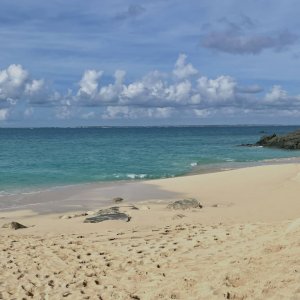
242,244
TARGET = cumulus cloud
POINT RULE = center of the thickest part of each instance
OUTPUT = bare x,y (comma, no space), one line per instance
182,91
182,69
19,92
111,92
89,84
159,95
12,83
242,38
16,84
220,90
155,90
92,93
277,96
3,114
34,87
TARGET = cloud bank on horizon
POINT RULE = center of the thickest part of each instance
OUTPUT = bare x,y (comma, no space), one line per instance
144,63
156,95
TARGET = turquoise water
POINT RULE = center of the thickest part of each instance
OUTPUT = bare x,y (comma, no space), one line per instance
38,158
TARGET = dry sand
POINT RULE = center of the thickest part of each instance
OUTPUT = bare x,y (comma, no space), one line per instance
243,244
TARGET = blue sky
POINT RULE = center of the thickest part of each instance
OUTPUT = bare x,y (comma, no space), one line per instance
72,63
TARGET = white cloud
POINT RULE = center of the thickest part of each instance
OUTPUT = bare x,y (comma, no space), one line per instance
179,92
89,83
134,90
3,114
119,77
276,94
92,93
12,82
111,92
156,95
182,69
16,85
34,87
280,98
157,90
221,89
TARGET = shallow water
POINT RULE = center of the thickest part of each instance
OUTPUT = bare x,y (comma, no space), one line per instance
33,159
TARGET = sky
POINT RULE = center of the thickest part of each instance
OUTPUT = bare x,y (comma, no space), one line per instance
158,62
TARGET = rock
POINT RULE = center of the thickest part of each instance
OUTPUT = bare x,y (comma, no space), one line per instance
112,213
267,140
66,294
179,216
14,225
185,204
290,141
118,199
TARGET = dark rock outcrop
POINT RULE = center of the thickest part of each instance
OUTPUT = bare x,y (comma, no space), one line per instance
112,213
185,204
14,225
118,199
290,141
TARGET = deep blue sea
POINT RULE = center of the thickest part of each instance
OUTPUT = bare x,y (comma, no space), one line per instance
32,159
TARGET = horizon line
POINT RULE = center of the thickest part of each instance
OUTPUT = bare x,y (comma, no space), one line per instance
149,126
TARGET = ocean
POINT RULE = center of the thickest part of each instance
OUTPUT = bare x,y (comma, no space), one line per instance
32,159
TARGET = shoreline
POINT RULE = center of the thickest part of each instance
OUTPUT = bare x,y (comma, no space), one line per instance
79,198
64,191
